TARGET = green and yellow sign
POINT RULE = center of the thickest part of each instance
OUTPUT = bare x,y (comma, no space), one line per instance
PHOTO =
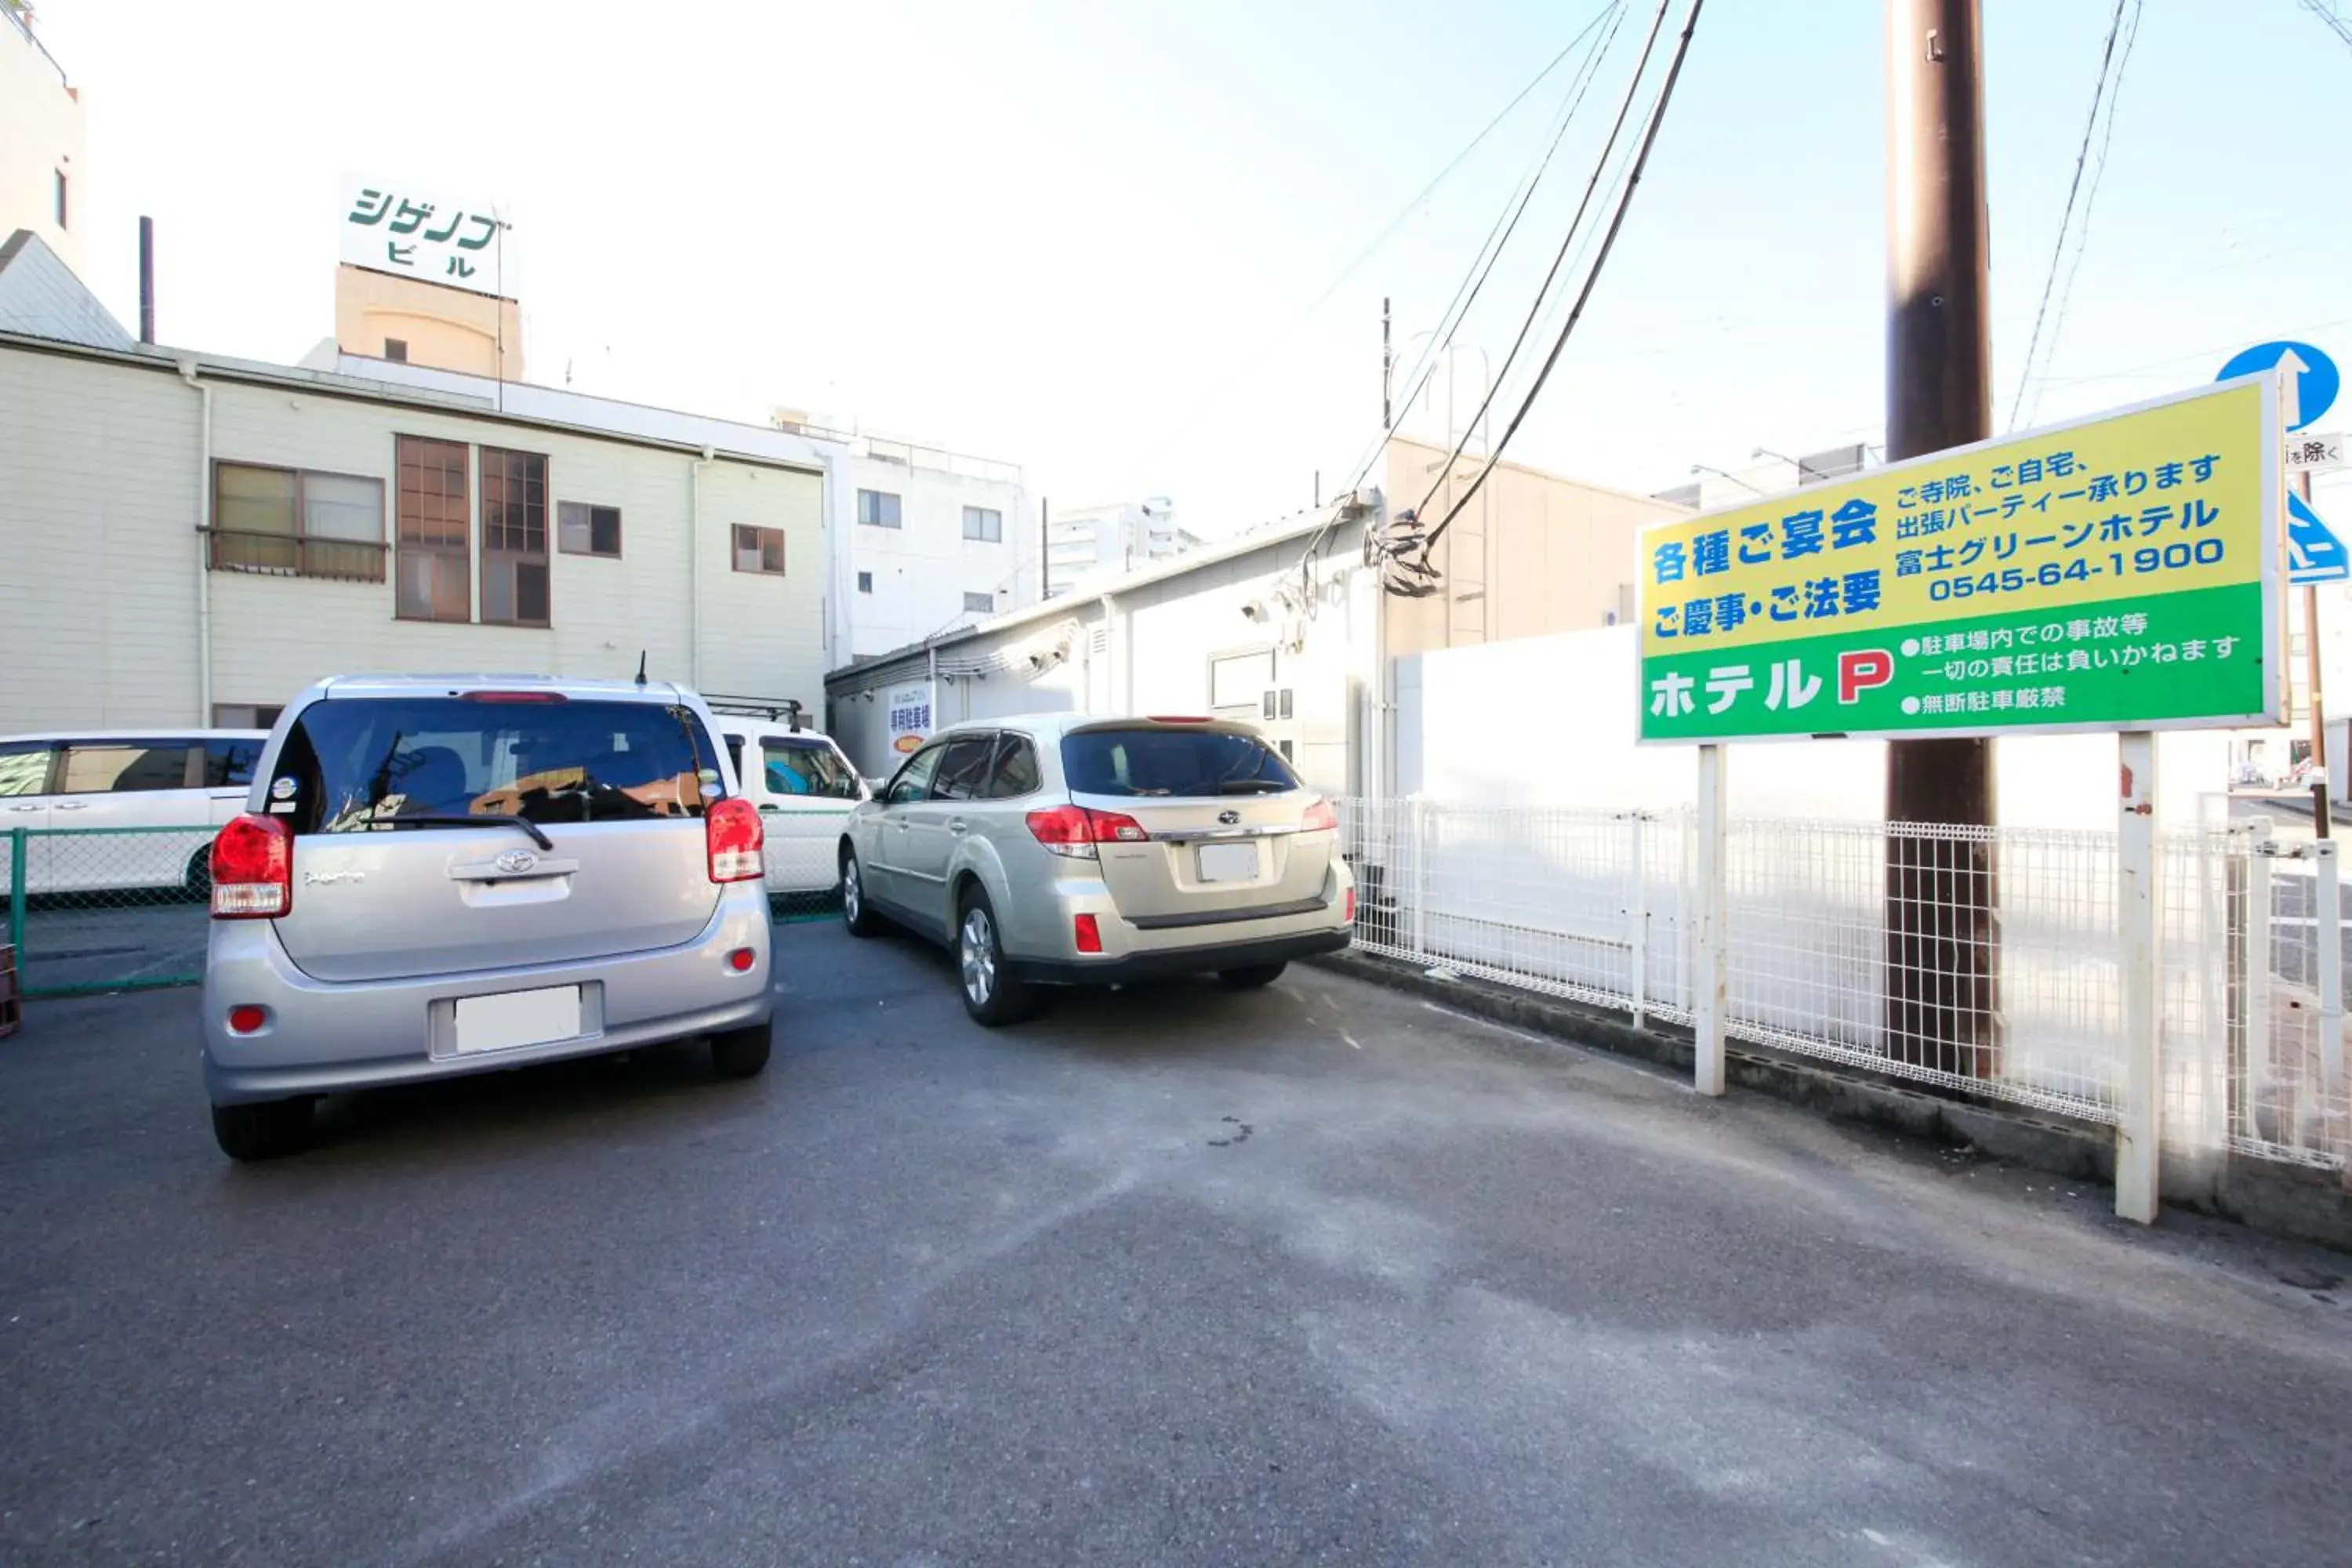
2116,573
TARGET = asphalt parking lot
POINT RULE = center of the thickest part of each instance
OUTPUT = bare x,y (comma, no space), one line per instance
1320,1274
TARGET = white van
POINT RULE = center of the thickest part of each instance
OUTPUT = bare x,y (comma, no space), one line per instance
174,787
803,784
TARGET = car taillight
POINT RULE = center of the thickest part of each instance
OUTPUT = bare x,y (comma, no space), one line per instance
733,830
511,696
248,1019
1320,818
252,869
1348,909
1088,932
1074,831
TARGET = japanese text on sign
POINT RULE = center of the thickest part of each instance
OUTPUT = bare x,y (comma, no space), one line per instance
392,229
2156,530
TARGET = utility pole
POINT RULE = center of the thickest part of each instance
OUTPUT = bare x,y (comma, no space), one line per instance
1044,550
2319,788
1388,367
1941,955
146,279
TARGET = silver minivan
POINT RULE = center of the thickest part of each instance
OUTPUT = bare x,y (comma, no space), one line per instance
1063,849
446,875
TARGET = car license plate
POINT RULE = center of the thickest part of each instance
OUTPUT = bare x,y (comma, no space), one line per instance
1228,862
516,1018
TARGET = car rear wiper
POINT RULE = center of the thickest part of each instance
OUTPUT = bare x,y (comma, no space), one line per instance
452,820
1252,786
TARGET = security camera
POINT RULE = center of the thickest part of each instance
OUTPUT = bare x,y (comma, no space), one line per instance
1254,610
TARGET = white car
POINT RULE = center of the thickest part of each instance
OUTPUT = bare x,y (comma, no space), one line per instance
804,788
114,810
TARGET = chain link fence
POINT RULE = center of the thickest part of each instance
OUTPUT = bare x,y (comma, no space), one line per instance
106,908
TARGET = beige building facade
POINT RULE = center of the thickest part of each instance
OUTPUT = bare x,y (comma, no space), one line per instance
192,540
41,139
408,321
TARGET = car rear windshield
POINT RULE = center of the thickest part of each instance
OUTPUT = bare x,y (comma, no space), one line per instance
1172,762
351,763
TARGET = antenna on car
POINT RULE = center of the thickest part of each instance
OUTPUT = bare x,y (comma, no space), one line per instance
641,667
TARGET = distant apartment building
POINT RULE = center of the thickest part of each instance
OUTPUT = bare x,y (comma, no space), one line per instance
41,163
1083,544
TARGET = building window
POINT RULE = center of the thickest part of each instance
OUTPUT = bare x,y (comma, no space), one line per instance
877,509
514,538
294,525
760,550
866,582
983,603
396,349
435,566
61,198
585,530
984,522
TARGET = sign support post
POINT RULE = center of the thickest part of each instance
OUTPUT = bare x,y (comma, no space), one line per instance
1711,982
2137,1139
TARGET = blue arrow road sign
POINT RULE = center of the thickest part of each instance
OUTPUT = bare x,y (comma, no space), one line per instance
2315,379
2313,553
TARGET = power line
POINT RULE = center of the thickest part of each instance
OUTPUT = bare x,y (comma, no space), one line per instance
2099,95
1567,241
1592,278
1386,234
2333,15
1490,251
1507,222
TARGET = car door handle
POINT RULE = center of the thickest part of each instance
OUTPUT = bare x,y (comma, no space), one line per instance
771,808
956,825
65,806
28,808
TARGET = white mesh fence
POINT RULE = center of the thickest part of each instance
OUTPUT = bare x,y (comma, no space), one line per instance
1987,960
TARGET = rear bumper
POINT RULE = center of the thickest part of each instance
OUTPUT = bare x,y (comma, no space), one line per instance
1156,963
325,1039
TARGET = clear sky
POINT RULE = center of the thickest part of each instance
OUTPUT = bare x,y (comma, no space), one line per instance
1086,235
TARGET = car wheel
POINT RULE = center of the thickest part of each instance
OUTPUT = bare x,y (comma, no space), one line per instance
855,912
743,1053
199,879
991,992
266,1131
1252,976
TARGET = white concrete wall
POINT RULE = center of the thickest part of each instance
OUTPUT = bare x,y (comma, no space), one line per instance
923,568
40,134
1159,640
1551,721
98,496
98,543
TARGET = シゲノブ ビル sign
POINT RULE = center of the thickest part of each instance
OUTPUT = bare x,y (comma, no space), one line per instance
2115,574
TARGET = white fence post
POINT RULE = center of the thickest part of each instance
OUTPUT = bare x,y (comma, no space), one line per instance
2254,1067
2135,1131
1419,810
2326,932
1637,913
1711,984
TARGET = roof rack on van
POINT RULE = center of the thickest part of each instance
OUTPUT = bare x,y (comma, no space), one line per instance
789,708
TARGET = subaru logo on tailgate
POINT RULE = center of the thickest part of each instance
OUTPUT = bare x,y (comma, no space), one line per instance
515,862
1229,818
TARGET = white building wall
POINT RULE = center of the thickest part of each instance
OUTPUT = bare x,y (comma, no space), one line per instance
98,543
1150,648
922,569
1551,721
40,136
98,516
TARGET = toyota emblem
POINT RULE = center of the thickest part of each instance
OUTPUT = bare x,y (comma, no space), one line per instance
515,862
1229,818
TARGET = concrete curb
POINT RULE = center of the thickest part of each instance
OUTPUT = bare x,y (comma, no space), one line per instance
2291,1201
